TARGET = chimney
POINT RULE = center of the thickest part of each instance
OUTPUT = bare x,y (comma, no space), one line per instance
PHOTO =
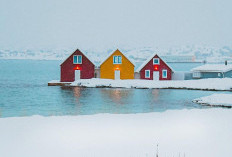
226,62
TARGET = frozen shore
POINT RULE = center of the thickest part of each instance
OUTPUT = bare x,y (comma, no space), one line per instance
224,100
193,133
202,84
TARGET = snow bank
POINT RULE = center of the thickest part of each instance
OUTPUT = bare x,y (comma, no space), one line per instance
195,133
54,81
202,84
216,100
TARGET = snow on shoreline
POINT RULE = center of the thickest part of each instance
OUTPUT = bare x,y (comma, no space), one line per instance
191,133
224,100
224,84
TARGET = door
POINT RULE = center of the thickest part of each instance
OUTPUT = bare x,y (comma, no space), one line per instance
117,74
77,75
156,75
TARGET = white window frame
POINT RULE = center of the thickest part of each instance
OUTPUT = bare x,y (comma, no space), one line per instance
77,59
196,74
117,60
149,74
157,60
163,73
120,60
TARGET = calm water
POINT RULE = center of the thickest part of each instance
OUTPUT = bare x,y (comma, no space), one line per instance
24,92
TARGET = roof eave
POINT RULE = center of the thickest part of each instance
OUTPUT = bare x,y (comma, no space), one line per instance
149,59
112,54
82,54
209,70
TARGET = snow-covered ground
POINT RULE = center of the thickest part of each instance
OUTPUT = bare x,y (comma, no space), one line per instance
179,133
202,84
215,100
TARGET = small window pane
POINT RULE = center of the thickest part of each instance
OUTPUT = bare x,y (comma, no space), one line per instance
156,61
119,59
115,59
164,73
75,59
79,59
147,73
196,75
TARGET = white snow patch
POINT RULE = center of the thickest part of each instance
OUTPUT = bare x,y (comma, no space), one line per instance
216,100
190,133
202,84
54,81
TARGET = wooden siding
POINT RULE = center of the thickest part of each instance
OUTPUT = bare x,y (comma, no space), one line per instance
107,68
161,66
68,68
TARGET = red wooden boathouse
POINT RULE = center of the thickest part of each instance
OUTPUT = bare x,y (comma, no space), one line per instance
76,66
155,69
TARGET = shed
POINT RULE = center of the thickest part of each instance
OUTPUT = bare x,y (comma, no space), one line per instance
212,71
76,66
154,68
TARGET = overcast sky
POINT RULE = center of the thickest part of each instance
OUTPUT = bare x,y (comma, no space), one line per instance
114,23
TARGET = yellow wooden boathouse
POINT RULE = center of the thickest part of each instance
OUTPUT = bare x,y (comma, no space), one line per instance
117,66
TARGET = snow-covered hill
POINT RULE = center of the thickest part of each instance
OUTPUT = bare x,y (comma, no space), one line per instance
201,53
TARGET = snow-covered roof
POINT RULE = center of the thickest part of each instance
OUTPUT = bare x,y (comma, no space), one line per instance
74,52
112,53
213,68
148,60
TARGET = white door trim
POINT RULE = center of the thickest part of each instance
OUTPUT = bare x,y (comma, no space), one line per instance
117,74
77,75
156,75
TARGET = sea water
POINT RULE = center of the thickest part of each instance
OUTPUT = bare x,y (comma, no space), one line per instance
24,92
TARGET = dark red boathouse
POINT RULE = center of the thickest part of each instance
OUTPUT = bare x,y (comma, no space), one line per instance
76,66
155,69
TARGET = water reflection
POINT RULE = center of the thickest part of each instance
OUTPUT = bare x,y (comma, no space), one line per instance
77,93
117,95
80,101
117,100
72,98
155,94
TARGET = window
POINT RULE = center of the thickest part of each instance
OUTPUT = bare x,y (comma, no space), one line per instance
117,59
120,59
147,73
196,75
156,61
77,59
164,73
219,74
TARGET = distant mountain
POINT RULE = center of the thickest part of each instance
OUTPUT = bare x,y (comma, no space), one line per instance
201,53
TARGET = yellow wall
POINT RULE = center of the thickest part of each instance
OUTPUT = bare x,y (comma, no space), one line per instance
126,68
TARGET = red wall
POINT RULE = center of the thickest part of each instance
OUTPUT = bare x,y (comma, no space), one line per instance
68,68
161,66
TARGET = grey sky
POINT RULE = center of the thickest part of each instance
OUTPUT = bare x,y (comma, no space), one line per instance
106,23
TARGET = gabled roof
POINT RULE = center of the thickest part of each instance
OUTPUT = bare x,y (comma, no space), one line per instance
75,52
148,60
112,54
212,68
